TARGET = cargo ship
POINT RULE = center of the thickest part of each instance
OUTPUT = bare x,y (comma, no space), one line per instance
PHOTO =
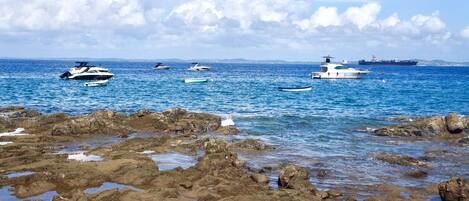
375,61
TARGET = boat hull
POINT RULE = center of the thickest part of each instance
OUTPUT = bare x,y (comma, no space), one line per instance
195,80
295,89
91,77
338,75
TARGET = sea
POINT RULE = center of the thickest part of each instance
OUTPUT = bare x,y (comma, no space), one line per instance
326,128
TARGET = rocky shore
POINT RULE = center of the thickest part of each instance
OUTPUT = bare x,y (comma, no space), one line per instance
40,162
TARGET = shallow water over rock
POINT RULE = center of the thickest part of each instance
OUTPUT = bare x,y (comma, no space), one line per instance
169,161
19,174
108,186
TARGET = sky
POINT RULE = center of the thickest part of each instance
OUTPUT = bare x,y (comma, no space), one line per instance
294,30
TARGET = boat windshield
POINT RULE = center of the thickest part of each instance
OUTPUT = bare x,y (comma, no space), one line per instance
341,67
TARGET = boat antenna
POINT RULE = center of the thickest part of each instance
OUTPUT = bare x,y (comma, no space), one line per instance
328,58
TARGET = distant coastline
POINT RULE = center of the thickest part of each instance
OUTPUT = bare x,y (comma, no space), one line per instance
421,62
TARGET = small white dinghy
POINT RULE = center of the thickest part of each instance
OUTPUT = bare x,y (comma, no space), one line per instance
96,83
195,80
295,89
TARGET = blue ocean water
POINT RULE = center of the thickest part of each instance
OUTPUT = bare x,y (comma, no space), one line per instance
317,129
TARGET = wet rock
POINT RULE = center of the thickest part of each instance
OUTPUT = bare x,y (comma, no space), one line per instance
215,146
427,127
456,189
260,178
424,127
454,123
398,159
293,177
101,122
417,174
322,173
228,130
252,145
464,140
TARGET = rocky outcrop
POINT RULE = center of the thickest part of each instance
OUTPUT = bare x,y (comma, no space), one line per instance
294,177
399,159
427,127
456,189
251,145
101,122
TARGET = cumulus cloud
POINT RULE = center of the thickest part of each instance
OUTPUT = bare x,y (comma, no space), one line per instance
465,32
227,23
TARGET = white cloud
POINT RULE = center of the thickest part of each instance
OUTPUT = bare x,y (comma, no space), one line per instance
465,32
362,16
323,17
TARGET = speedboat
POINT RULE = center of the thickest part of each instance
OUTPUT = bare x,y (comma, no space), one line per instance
98,83
337,71
195,80
161,66
295,89
197,67
83,71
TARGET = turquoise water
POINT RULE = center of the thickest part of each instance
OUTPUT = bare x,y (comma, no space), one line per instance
317,129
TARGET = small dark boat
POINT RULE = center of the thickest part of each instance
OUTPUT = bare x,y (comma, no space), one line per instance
295,89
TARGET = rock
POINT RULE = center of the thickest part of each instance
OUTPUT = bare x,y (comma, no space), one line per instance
101,122
399,159
215,146
321,173
260,178
464,140
293,177
454,123
423,127
252,145
228,130
456,189
417,174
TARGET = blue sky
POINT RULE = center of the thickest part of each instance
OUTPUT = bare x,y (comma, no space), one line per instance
252,29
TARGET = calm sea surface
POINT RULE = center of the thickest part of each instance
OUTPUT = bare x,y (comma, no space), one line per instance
317,129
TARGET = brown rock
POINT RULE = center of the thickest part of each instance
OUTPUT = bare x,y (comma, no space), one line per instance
454,123
321,173
228,130
260,178
215,146
417,174
252,145
456,189
399,159
432,126
101,122
293,177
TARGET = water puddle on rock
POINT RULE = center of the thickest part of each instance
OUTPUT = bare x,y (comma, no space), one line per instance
7,195
45,196
81,156
19,174
172,160
108,186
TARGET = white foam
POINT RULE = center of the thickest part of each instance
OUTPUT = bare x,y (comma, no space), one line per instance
17,132
81,156
147,152
227,122
5,143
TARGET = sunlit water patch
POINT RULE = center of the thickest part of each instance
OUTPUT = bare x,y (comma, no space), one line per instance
108,186
169,161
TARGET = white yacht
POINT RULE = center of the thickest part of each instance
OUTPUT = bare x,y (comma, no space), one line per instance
337,71
161,66
83,71
197,67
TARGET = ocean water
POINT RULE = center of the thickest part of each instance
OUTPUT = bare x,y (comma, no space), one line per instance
317,129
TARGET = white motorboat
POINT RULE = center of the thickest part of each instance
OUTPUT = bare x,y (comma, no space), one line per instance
337,71
83,71
295,89
96,83
197,67
195,80
161,66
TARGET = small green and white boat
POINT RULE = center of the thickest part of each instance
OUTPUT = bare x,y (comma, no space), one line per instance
195,80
